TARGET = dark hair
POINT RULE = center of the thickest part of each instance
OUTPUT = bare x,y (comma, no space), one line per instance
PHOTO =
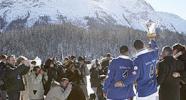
3,56
35,68
20,59
168,50
123,49
179,47
72,57
48,62
33,62
80,58
108,55
66,58
138,44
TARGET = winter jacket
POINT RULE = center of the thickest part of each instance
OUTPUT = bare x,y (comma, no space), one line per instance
35,84
104,66
52,76
58,93
182,58
183,77
2,75
84,72
73,76
94,77
76,93
169,86
13,77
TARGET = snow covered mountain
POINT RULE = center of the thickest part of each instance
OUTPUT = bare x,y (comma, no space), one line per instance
130,13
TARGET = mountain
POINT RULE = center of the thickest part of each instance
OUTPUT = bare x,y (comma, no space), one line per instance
129,13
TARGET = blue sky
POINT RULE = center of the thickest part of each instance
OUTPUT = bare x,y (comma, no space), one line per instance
177,7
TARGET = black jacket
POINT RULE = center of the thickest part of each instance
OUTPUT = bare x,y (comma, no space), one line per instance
13,77
2,75
52,75
94,77
183,77
183,72
169,86
104,67
76,93
74,77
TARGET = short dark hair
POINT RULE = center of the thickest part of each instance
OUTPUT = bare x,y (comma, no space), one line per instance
168,50
138,44
123,49
80,58
178,47
72,57
108,55
20,59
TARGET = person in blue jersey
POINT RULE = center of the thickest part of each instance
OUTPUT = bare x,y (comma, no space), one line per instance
121,75
145,60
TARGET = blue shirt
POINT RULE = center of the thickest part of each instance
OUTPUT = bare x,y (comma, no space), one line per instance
146,62
120,69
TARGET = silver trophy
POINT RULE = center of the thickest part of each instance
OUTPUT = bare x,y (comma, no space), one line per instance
152,29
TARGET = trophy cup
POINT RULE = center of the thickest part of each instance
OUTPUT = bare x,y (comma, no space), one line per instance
151,33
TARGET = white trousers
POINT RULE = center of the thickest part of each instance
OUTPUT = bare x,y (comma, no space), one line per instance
150,97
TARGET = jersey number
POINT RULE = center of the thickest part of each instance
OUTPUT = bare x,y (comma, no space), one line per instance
152,70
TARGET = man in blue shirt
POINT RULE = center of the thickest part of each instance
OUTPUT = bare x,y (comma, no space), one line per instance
145,60
121,76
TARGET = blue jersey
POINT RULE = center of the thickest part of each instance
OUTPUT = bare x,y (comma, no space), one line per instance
120,69
146,62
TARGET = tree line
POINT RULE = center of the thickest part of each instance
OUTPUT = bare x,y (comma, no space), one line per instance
65,39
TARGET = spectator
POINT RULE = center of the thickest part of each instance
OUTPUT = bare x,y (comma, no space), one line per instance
95,78
23,94
2,74
13,77
84,73
179,52
169,83
35,82
72,58
60,70
61,91
51,72
72,73
76,93
105,63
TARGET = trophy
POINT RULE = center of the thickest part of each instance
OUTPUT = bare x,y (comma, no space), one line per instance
152,29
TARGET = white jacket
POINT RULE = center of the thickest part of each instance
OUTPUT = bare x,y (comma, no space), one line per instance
58,93
35,83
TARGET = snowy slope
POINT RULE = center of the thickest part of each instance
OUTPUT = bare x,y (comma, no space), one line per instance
130,13
178,23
